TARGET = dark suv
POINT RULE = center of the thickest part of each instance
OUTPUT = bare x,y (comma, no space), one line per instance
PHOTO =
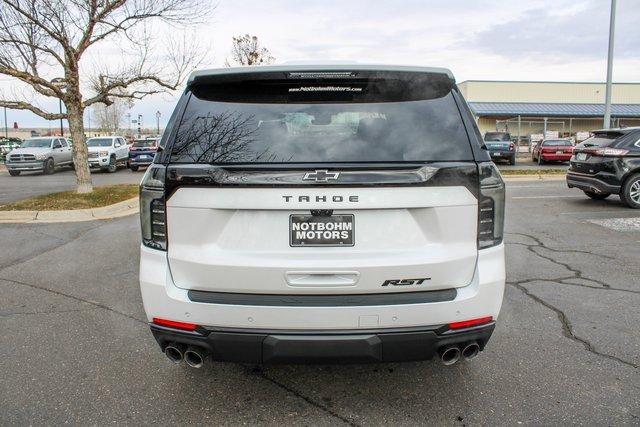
500,147
608,163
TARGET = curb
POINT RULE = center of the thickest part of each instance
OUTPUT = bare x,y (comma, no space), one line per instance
117,210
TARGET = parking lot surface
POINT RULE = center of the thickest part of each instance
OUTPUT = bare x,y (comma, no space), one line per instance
566,349
35,183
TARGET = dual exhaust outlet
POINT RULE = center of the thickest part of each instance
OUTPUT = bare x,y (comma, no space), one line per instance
193,356
452,353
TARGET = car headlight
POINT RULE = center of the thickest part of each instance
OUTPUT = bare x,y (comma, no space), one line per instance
41,156
104,153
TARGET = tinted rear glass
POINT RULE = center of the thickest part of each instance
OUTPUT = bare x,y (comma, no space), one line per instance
320,122
497,136
604,139
557,143
144,143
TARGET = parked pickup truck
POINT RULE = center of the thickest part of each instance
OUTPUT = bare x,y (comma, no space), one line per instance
107,152
40,155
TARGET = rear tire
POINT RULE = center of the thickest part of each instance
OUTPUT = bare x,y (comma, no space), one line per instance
134,168
630,192
48,167
596,196
14,173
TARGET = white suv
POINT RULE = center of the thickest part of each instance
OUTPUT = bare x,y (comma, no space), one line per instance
107,152
313,214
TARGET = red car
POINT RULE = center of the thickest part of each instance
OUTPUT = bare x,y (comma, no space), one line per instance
552,150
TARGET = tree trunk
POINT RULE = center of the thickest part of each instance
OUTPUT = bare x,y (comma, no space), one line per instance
80,154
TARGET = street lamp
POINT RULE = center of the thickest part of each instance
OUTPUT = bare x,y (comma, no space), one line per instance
60,83
607,97
158,114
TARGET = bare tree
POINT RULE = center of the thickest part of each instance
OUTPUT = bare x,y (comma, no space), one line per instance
109,117
56,38
247,51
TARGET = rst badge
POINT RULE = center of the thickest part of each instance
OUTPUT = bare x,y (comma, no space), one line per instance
405,282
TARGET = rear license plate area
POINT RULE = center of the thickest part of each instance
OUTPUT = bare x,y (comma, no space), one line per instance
316,230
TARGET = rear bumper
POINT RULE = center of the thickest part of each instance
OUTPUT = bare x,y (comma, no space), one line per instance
359,346
556,157
266,333
590,183
502,154
138,162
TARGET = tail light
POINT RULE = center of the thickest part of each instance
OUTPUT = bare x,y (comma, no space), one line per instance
153,218
512,146
490,206
609,152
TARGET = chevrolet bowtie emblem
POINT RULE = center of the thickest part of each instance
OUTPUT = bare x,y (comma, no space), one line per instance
320,176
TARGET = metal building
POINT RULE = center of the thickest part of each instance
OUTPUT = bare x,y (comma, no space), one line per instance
526,108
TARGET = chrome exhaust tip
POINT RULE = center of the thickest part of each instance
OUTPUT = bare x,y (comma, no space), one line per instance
471,351
194,357
175,352
449,355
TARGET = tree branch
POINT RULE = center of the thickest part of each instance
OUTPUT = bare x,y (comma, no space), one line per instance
21,105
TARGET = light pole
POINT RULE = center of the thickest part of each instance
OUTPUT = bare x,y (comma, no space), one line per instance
60,83
139,125
158,114
6,126
607,97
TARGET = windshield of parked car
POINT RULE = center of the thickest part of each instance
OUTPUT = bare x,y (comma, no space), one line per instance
36,143
497,136
144,143
99,142
558,143
318,124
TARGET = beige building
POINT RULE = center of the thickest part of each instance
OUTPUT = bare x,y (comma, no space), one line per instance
525,108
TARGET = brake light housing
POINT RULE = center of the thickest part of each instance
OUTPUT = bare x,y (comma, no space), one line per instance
609,152
491,199
153,217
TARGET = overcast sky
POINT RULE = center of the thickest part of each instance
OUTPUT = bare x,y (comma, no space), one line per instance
549,40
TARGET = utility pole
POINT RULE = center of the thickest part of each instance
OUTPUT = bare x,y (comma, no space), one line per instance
6,125
158,114
607,100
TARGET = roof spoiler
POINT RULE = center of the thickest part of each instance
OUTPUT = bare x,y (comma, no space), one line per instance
313,72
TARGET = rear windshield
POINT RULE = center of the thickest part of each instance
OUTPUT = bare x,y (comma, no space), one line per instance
144,143
309,124
603,139
557,143
497,136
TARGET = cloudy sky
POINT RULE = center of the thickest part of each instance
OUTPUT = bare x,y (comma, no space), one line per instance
547,40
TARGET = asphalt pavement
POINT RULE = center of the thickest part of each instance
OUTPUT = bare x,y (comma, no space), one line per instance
31,184
566,349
